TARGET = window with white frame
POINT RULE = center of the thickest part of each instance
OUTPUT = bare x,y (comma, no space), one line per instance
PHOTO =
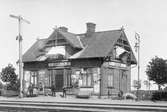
43,78
33,78
75,77
110,80
87,75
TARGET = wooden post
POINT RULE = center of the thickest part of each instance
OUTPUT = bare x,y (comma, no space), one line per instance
19,38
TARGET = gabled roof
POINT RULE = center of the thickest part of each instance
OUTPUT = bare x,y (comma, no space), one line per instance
34,51
100,44
70,37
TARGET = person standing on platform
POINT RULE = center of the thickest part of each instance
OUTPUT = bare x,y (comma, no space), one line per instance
53,89
41,88
64,91
30,89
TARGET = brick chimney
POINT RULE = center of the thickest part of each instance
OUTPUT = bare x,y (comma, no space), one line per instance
90,28
63,28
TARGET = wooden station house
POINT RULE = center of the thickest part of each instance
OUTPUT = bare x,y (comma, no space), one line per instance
99,62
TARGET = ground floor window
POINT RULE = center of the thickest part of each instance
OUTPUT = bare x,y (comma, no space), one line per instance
68,78
30,77
109,73
43,78
96,80
75,78
110,80
33,77
86,76
26,79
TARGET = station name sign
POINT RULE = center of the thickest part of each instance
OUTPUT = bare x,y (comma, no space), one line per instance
115,64
59,64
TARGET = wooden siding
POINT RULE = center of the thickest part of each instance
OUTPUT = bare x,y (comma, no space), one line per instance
121,80
34,66
85,63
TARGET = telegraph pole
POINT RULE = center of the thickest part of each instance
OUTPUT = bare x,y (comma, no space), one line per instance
19,38
137,49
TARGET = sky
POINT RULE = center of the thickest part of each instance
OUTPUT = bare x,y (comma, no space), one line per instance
146,17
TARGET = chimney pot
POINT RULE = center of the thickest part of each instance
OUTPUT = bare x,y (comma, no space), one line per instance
63,28
90,28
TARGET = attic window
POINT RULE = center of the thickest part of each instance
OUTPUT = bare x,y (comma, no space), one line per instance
118,51
122,42
125,42
61,40
50,43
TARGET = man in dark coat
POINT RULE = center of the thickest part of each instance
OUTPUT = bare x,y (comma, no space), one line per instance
30,89
64,91
53,89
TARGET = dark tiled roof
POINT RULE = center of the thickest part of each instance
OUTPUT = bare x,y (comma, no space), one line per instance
34,51
98,45
71,39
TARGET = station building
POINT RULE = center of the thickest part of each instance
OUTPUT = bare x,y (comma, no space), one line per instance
98,61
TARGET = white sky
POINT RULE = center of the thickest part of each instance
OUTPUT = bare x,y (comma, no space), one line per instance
147,17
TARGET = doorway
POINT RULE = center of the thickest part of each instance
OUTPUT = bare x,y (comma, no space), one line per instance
57,78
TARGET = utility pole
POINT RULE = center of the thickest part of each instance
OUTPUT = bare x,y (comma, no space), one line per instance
19,38
137,49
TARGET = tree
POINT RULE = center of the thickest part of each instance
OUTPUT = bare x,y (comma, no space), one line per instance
157,71
8,75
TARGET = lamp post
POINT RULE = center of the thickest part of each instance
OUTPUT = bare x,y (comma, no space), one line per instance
19,38
137,49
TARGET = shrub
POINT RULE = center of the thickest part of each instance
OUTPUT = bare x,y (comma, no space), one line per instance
13,86
9,76
159,95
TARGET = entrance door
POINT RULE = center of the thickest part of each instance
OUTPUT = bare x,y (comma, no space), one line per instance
59,79
123,80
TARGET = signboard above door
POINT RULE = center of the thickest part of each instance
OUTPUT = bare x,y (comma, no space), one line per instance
59,64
